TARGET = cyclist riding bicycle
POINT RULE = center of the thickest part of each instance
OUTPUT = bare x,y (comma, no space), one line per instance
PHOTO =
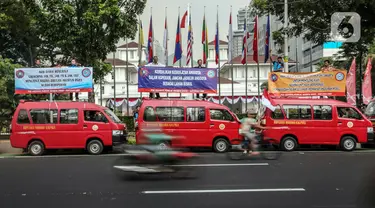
248,126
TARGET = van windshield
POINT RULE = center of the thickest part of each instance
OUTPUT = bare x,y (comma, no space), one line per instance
370,110
112,115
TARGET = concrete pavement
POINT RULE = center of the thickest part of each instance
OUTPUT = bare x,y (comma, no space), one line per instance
295,181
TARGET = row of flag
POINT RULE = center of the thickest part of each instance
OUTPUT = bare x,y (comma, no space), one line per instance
351,87
186,18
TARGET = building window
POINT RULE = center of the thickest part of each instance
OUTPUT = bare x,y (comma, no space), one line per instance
211,54
112,87
69,116
254,74
131,54
23,118
44,116
195,114
102,89
288,48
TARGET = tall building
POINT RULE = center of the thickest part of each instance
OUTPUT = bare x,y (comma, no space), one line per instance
238,34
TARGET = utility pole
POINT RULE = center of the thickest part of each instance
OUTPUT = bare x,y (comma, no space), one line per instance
286,67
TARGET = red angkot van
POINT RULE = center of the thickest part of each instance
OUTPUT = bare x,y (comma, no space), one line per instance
317,122
201,123
39,126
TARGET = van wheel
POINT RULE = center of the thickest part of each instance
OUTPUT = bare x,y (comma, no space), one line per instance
36,148
221,145
348,143
95,147
289,144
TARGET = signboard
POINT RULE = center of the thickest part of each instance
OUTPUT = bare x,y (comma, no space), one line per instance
53,80
180,80
330,83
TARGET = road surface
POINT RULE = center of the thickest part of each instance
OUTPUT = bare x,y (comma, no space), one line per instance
316,180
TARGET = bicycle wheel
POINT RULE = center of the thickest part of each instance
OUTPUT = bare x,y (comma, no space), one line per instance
269,151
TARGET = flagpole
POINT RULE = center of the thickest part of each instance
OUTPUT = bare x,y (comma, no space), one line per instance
180,62
166,41
218,51
205,35
258,70
127,78
231,54
245,52
114,81
140,45
192,40
270,43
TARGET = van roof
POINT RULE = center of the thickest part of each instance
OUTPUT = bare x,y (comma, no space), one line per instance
179,102
58,104
309,101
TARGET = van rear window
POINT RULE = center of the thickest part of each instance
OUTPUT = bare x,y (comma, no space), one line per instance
44,116
23,118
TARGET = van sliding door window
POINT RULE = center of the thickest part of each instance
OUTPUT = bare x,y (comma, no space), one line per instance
44,116
23,118
195,114
322,112
219,114
298,112
277,114
170,114
68,116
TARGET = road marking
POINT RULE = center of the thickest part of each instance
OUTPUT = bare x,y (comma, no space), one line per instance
222,165
224,191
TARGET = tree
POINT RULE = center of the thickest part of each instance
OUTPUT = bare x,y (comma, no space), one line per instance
312,18
88,29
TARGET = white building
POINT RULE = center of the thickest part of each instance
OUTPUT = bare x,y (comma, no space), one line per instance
211,60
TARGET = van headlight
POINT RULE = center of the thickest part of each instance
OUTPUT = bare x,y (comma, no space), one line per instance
370,130
117,132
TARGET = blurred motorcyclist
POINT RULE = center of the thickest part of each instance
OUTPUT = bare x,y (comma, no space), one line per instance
248,126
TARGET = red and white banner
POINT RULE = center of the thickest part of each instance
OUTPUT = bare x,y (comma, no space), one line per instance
367,85
351,84
236,99
123,101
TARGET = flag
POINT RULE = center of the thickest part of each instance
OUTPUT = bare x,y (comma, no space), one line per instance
267,43
190,42
268,101
255,41
217,49
367,85
230,39
246,35
178,49
351,84
141,40
205,40
183,20
150,44
165,42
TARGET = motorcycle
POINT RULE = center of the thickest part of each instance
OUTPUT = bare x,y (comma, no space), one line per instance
156,159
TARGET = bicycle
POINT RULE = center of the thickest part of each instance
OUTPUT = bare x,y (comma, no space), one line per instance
267,147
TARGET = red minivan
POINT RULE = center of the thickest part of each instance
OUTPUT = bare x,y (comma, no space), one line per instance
201,123
37,126
317,122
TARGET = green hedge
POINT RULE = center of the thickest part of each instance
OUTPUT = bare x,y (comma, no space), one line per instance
129,121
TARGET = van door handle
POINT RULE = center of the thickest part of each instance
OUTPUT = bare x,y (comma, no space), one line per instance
212,125
84,126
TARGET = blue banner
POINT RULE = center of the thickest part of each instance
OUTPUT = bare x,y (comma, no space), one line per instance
53,80
178,80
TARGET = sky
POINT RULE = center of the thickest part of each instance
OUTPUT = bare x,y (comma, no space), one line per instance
197,12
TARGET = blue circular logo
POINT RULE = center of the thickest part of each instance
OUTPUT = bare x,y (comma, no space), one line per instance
86,72
143,72
211,74
20,74
274,77
340,76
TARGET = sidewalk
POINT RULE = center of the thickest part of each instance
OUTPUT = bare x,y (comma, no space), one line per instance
6,148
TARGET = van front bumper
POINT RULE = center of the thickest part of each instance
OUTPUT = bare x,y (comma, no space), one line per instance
119,140
370,137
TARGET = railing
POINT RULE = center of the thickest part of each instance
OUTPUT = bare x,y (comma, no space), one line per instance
4,136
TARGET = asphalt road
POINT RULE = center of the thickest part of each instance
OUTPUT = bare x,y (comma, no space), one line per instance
317,180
